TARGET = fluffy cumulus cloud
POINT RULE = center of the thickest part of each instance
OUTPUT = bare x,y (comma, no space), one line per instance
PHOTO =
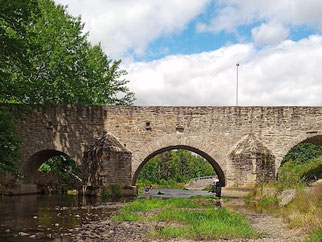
287,74
230,14
130,25
269,34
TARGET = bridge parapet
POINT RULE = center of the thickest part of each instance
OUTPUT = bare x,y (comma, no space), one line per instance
145,131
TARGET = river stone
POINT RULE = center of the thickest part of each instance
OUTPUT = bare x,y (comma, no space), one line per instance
23,234
269,192
287,196
317,183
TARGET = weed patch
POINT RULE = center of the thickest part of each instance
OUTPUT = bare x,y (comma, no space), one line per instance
192,220
207,224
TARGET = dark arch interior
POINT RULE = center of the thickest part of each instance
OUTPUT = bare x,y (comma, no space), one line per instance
35,161
316,140
214,164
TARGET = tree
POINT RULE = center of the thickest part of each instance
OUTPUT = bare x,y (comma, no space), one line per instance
174,166
65,67
9,144
15,16
46,58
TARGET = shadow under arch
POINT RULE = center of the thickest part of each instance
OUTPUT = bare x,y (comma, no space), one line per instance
214,164
31,165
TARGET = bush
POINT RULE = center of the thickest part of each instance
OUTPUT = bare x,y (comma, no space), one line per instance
292,174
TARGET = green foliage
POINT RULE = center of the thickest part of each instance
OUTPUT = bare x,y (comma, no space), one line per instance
302,164
64,167
64,68
268,201
15,16
291,174
186,221
315,236
9,144
172,167
144,205
302,153
116,190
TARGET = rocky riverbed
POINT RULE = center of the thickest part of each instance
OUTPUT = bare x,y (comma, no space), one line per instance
273,229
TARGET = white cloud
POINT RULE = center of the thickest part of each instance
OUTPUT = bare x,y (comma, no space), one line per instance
287,74
269,34
130,25
233,13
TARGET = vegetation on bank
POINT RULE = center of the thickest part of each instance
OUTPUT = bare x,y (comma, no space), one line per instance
64,167
9,144
194,218
300,167
173,169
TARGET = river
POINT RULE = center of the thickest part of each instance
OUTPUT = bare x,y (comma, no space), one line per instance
50,217
56,217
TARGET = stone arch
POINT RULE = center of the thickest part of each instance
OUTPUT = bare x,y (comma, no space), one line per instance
215,165
315,138
31,165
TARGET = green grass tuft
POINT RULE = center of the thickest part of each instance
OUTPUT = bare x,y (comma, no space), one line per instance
315,236
208,224
144,205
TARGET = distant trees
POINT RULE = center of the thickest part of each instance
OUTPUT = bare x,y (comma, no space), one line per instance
174,167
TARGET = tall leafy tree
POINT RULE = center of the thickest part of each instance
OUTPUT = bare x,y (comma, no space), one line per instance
15,16
64,67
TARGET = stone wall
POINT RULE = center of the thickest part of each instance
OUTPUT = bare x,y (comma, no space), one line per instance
214,131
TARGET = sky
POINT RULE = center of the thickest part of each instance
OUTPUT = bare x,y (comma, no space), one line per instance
184,52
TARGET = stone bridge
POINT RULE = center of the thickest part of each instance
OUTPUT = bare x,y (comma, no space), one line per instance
243,144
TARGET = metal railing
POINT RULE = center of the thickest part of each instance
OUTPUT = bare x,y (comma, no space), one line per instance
202,178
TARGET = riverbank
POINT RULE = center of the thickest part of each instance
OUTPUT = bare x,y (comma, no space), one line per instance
300,208
150,221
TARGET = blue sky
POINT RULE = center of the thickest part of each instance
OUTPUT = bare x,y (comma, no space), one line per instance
184,52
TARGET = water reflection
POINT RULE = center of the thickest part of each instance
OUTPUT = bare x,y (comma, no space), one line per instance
48,217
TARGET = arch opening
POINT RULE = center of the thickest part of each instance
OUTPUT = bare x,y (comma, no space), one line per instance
217,169
50,167
303,161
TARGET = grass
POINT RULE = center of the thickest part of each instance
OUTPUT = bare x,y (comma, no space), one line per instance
315,236
191,219
208,224
267,201
145,205
293,174
305,211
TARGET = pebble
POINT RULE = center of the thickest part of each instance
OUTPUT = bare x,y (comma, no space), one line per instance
7,230
23,234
